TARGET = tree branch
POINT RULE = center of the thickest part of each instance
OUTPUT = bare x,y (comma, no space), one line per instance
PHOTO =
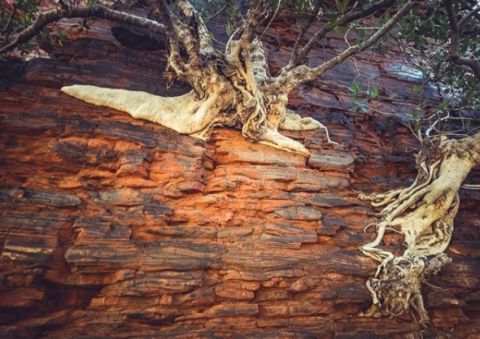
204,37
300,74
470,7
179,33
10,19
250,24
98,11
303,31
160,11
472,63
329,26
235,47
472,12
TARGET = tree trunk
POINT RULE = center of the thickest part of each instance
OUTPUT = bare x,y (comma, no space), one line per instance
424,213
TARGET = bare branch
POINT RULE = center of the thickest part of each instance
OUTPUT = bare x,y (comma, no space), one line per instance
235,47
103,12
472,12
300,74
249,26
160,10
217,13
303,30
473,64
177,33
279,2
329,26
452,17
471,6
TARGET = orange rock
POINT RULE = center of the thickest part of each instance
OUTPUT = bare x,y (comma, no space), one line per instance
111,226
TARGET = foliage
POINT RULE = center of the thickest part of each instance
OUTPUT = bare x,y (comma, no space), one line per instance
426,36
17,16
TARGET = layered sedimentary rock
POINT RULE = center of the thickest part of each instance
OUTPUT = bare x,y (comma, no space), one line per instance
111,226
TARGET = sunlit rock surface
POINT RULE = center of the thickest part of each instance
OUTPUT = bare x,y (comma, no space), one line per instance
111,226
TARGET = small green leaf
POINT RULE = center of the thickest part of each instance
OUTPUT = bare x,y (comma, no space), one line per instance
373,92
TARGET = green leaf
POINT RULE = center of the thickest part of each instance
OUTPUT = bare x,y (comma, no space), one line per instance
355,89
373,92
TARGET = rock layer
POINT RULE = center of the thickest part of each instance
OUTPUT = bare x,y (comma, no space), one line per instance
112,226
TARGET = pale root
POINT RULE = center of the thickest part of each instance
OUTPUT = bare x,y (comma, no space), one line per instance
424,213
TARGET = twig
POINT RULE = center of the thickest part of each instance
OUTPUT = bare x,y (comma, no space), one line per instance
10,19
271,20
214,15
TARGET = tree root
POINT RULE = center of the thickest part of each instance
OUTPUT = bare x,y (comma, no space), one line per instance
234,98
397,285
424,213
294,122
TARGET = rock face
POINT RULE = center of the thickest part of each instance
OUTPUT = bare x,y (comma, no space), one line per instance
111,226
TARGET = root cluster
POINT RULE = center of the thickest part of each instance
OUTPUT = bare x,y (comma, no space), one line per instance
424,213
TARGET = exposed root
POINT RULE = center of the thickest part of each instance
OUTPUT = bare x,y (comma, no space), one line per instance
294,122
237,96
184,114
397,285
424,213
274,139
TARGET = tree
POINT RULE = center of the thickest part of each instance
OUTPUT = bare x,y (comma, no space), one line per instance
424,213
442,39
232,86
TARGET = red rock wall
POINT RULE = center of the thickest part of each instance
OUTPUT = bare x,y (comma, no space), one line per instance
112,226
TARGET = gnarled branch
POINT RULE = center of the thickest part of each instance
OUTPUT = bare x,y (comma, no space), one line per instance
98,11
247,33
204,36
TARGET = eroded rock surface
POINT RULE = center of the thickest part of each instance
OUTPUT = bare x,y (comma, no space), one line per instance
111,226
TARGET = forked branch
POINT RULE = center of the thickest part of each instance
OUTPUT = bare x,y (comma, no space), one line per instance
299,56
300,74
